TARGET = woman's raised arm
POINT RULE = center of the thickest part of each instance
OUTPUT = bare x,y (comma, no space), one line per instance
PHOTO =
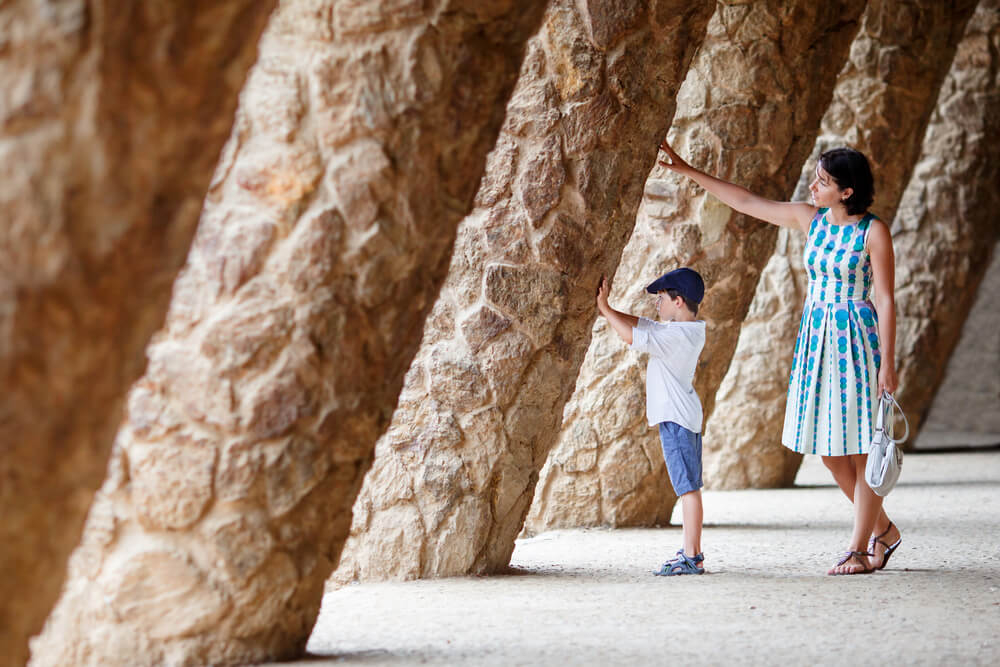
784,214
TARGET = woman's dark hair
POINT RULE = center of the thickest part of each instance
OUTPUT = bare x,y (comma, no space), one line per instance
850,169
691,305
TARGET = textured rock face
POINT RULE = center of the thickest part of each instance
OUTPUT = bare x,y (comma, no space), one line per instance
748,111
112,118
946,226
881,104
362,132
968,400
455,473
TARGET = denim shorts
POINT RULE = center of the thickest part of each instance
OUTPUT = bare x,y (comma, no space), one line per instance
682,454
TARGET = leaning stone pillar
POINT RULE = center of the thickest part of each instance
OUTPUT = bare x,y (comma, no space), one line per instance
967,403
361,136
748,111
455,473
112,117
946,226
881,104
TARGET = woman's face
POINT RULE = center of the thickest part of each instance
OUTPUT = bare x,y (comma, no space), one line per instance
824,190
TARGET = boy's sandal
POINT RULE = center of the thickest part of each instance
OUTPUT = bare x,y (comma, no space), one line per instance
861,557
888,548
680,565
697,558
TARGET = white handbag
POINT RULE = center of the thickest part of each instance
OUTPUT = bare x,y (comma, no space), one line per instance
885,458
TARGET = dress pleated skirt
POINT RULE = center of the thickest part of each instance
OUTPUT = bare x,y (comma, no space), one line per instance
834,379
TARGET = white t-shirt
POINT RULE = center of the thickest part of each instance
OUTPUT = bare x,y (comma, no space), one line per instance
673,349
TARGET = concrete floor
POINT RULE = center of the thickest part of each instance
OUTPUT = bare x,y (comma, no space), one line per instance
586,597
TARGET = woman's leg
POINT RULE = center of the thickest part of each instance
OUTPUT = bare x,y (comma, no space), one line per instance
867,506
844,473
847,475
887,535
870,518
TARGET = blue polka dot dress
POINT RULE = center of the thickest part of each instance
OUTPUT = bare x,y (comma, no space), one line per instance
836,360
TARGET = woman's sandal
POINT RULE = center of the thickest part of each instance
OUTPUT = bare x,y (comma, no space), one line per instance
888,548
861,557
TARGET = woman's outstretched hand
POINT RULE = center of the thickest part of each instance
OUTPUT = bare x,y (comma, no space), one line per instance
673,161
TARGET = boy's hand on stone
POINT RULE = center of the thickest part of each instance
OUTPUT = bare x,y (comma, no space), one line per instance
602,294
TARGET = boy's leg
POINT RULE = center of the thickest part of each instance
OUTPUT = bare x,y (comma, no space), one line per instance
682,455
693,514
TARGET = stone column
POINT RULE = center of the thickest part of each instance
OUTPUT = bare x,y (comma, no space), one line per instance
360,139
748,111
946,226
881,104
966,407
112,118
456,471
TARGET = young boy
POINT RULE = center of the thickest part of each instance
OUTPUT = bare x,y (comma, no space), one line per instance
673,346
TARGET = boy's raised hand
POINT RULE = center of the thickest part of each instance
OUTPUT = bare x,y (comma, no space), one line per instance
602,294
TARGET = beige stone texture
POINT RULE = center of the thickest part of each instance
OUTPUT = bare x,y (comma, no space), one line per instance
112,118
966,406
946,227
455,473
362,132
748,111
882,101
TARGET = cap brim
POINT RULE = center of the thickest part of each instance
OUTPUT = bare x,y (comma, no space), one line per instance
659,285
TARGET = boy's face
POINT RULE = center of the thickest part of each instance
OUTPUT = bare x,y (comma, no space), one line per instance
668,309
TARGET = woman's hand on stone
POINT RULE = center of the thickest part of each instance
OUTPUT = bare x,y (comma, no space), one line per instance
673,161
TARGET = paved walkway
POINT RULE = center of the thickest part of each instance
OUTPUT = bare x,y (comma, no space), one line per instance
586,597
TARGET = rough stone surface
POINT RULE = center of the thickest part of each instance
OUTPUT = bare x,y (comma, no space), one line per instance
968,400
362,132
748,111
946,227
883,99
455,473
112,118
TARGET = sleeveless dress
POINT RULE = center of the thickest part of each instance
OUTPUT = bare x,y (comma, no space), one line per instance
835,366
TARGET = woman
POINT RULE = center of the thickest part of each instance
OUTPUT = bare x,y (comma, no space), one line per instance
843,357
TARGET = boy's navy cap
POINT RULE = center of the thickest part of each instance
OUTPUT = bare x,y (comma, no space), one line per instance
686,281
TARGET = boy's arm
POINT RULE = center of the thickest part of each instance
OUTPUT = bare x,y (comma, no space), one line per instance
622,323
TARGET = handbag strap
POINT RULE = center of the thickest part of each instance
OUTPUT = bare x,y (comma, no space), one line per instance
887,410
880,417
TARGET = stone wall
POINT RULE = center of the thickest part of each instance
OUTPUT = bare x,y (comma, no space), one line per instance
360,139
883,98
946,226
112,118
455,473
748,111
966,408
